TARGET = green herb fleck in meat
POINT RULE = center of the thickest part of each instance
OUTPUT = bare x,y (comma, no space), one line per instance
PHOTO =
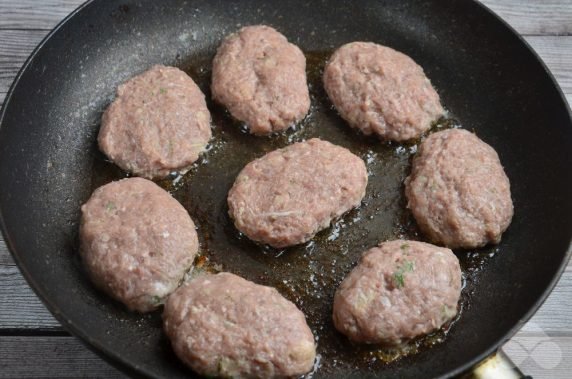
398,279
399,274
163,91
110,206
405,246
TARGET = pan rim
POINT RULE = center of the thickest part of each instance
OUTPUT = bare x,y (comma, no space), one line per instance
110,357
567,256
123,364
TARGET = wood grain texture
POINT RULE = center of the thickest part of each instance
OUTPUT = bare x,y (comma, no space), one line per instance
537,354
34,14
535,17
556,52
5,257
52,357
551,17
21,309
15,47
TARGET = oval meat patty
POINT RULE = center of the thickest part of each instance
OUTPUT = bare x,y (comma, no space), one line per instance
137,242
225,326
159,123
288,195
458,191
399,290
382,91
261,78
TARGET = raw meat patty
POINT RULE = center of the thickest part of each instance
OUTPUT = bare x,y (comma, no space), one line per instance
137,242
400,290
458,191
382,91
159,123
225,326
261,78
288,195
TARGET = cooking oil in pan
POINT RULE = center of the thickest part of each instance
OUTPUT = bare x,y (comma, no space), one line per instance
306,274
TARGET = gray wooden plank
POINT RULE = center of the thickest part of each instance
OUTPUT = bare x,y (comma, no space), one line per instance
555,315
537,17
526,16
34,14
15,47
556,52
539,355
51,357
5,257
21,309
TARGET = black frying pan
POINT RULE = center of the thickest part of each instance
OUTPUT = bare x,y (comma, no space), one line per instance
486,75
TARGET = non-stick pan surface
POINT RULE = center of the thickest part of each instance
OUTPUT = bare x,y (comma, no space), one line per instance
487,77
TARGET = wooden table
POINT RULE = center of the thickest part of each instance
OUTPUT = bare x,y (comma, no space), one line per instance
33,344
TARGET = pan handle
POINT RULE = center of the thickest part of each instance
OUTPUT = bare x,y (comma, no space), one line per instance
497,366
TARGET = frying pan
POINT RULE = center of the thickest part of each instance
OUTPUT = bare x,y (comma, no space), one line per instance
488,78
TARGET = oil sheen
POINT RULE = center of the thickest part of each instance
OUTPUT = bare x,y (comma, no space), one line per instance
307,274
